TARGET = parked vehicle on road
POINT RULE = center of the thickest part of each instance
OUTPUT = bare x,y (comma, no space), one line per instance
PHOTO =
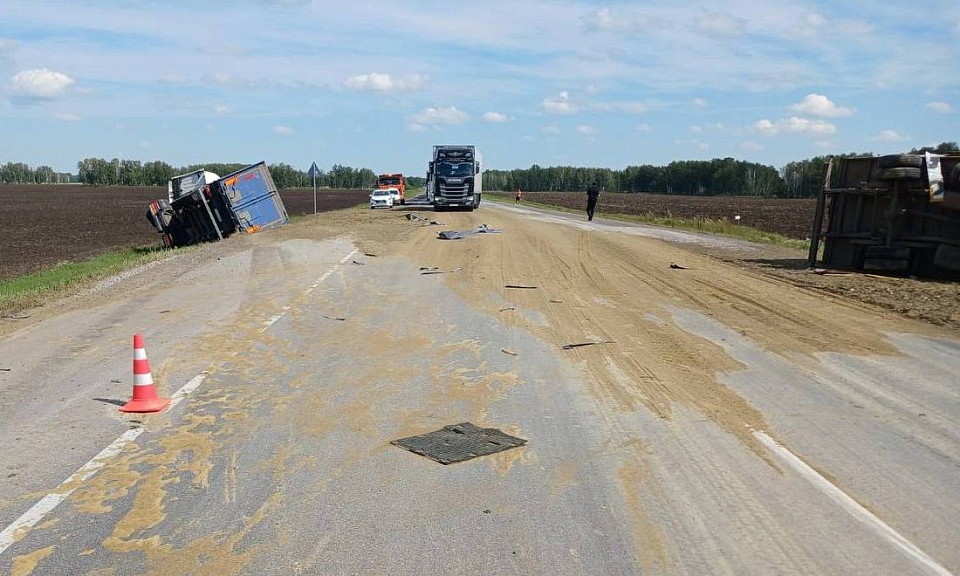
381,199
395,181
203,207
455,178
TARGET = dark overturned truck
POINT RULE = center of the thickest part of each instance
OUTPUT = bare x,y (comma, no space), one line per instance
203,207
896,214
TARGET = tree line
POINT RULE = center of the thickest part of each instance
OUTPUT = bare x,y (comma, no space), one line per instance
717,177
721,176
101,172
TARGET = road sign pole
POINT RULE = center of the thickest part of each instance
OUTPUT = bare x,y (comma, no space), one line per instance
314,193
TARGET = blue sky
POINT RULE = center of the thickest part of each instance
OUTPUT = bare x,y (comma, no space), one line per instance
376,84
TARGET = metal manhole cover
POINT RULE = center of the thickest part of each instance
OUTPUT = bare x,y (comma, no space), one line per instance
459,442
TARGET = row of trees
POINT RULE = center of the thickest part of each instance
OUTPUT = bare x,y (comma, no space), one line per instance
717,177
20,173
721,176
101,172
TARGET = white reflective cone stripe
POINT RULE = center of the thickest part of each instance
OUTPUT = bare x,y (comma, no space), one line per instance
143,379
139,354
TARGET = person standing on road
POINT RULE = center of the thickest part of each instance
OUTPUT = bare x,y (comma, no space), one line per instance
593,194
519,193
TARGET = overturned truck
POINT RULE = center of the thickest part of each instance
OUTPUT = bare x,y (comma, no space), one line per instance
898,214
203,207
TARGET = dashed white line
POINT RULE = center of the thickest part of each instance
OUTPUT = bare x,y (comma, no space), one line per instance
35,514
839,497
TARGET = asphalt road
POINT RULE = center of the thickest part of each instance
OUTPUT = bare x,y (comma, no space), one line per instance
730,424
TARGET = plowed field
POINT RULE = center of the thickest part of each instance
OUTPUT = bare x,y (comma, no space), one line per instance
791,217
41,226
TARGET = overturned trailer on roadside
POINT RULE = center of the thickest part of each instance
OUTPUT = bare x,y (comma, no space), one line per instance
897,213
203,207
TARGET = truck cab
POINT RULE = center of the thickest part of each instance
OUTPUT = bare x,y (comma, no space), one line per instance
385,181
455,178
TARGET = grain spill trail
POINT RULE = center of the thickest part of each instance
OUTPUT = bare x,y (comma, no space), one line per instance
25,564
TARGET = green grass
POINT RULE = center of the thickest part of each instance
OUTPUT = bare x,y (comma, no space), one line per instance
34,289
720,227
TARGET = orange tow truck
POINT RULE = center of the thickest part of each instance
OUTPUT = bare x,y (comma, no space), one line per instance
393,181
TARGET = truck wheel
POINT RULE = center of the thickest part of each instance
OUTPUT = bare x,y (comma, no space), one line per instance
901,161
900,173
955,174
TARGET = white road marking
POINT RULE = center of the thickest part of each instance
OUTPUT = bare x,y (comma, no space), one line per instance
35,514
839,497
187,388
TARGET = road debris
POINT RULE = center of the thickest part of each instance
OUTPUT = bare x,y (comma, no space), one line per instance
370,254
826,272
520,287
507,351
427,222
337,318
582,344
459,442
458,235
5,369
425,271
677,266
508,308
358,263
556,301
164,311
15,316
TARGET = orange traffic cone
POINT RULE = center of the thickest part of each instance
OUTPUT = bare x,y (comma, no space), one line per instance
145,397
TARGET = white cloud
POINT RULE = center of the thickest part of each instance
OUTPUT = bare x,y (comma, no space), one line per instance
722,23
888,136
643,127
794,125
67,117
586,130
385,83
814,19
941,107
495,117
220,109
221,78
550,129
820,105
414,127
41,84
696,129
559,104
606,20
700,103
283,130
751,145
625,107
448,115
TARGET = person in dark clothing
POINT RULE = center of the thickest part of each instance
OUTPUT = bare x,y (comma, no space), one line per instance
593,193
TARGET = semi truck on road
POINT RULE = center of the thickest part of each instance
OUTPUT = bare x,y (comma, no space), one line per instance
455,177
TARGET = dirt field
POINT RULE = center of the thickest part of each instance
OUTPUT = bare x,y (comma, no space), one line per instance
45,225
792,218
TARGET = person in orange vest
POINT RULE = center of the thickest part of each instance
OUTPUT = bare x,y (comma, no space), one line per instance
519,194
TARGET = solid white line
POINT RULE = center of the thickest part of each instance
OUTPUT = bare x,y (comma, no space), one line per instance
841,498
36,513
